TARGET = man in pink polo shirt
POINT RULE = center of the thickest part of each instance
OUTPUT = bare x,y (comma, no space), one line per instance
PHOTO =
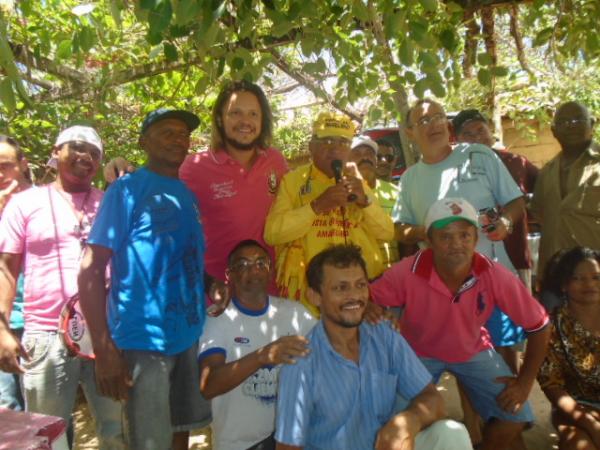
448,293
236,180
44,229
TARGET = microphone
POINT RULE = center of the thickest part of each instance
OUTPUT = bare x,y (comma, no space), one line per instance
336,166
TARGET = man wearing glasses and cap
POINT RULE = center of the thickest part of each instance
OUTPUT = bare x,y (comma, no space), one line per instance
323,203
145,334
45,229
365,153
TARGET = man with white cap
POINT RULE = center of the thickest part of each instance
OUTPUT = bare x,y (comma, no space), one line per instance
364,154
448,292
45,229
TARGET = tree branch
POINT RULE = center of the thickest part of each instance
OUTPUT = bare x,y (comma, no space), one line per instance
515,32
472,30
312,85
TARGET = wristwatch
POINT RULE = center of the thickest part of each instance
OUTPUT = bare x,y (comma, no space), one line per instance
508,224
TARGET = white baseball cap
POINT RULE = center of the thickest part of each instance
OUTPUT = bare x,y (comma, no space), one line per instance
448,210
77,133
365,140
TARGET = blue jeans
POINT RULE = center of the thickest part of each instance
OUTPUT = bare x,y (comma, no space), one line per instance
50,386
478,377
10,386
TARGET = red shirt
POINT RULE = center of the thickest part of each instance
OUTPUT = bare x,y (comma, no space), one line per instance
524,173
451,327
234,202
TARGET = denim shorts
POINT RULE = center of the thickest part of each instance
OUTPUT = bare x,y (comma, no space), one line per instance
165,398
478,377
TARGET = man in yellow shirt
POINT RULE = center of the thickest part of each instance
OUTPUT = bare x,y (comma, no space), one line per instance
312,211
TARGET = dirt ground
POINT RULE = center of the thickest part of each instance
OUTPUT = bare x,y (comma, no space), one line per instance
540,437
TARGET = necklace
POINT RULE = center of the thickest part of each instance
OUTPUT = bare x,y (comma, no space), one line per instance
82,228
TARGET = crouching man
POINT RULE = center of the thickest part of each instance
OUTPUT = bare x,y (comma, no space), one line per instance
242,350
342,394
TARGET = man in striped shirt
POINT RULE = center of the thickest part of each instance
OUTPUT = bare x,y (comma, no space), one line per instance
342,395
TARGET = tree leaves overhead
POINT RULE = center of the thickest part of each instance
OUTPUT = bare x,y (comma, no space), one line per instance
121,58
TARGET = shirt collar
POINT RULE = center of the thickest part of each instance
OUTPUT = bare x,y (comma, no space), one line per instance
248,311
321,334
220,156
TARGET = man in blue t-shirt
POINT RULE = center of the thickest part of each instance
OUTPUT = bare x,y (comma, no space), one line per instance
342,394
145,335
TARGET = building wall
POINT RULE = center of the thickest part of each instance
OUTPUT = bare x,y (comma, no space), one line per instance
534,141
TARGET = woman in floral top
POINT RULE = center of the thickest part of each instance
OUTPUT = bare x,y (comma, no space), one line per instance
570,375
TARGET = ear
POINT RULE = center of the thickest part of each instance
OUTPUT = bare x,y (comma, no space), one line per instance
55,151
142,142
23,165
410,132
227,275
313,297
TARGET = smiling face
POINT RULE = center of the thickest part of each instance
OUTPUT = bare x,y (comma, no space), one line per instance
166,142
77,162
343,296
241,120
583,287
428,128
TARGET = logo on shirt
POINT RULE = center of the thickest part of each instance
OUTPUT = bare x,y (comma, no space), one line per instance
241,340
222,190
262,385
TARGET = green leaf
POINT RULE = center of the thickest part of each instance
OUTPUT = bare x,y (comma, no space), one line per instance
115,12
406,52
186,11
160,17
65,49
420,87
359,9
87,39
7,95
281,28
170,51
542,37
429,61
237,63
155,52
484,76
499,71
448,39
485,59
410,76
429,5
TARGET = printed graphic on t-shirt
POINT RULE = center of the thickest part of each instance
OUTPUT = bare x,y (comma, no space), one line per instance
223,189
262,385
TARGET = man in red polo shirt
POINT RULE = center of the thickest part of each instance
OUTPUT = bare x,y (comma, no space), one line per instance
448,293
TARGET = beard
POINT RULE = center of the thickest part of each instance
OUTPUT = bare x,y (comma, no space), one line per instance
240,145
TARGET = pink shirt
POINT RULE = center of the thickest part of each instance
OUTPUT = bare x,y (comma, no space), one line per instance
234,202
450,327
40,224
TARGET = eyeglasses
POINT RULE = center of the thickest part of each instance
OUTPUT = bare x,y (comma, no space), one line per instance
388,158
331,142
244,265
426,120
570,122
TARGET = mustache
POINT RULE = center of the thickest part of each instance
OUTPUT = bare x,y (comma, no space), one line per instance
366,161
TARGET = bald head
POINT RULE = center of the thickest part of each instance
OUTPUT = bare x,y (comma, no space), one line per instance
573,126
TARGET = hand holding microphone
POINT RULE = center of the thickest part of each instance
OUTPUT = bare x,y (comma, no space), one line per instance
337,167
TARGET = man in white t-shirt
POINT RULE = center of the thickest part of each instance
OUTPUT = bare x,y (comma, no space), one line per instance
241,351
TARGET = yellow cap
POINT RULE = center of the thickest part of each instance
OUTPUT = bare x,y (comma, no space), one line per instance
333,125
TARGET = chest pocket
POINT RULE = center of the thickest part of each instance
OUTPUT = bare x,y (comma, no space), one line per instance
381,388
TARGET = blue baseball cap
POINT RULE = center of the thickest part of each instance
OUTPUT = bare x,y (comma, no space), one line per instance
191,120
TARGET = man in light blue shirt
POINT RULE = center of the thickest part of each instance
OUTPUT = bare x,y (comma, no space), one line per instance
342,395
